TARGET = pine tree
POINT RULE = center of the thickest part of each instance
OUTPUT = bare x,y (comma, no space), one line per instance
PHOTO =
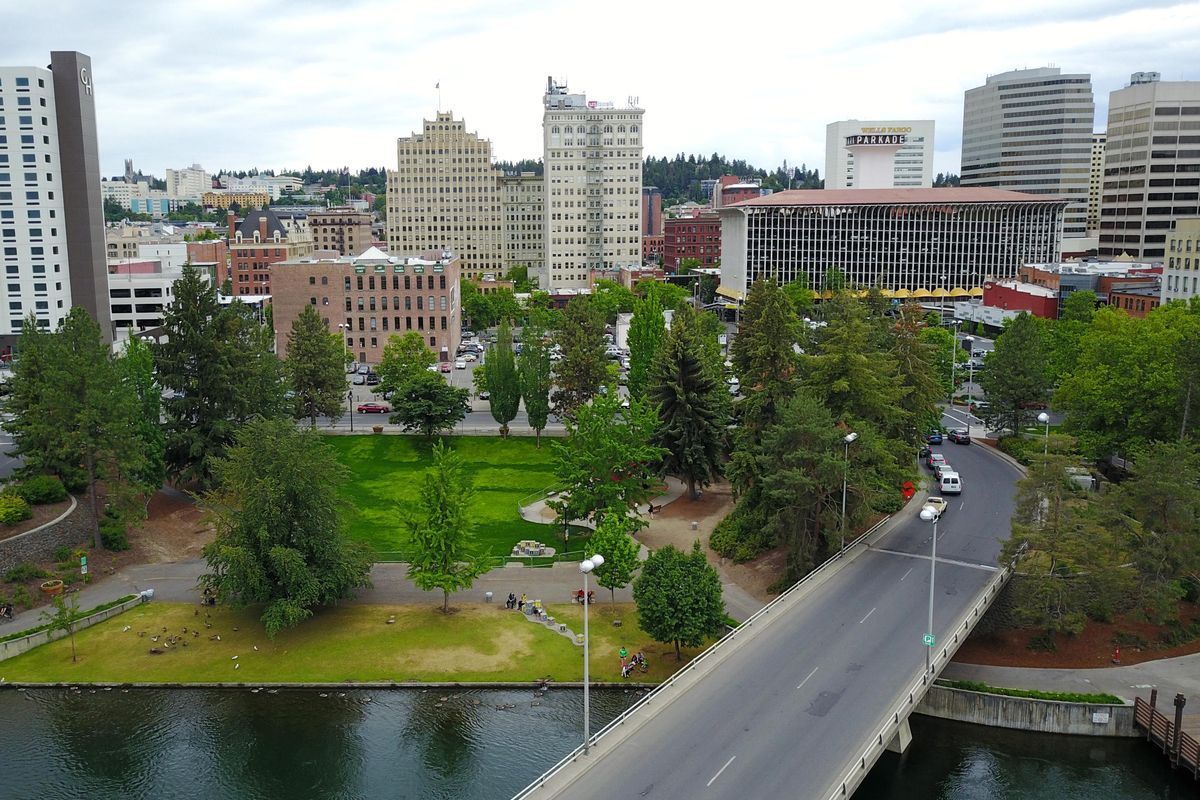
764,357
584,368
316,367
646,333
503,383
535,375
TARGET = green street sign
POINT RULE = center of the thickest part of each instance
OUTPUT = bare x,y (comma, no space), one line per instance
83,565
928,639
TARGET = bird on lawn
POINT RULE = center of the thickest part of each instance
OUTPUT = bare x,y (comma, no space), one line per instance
256,648
125,629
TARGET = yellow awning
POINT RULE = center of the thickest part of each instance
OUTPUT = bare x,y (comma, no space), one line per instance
902,293
735,294
976,292
939,292
921,293
958,291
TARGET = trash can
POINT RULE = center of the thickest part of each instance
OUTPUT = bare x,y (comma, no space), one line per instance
487,597
146,595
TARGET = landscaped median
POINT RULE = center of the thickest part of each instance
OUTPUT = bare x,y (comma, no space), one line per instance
351,643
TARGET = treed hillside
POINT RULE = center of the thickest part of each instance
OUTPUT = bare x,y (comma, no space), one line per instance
679,178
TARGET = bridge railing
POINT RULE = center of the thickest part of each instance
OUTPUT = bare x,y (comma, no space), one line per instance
659,691
889,725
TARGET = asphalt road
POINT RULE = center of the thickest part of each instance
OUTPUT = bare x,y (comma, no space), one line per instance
782,714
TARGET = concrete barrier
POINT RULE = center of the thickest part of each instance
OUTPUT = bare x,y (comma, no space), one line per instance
1027,714
15,647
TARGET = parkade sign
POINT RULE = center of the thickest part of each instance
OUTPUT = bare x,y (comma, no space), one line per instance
879,136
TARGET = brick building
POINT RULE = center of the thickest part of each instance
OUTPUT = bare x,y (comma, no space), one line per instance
213,251
370,297
342,229
1136,300
261,240
692,237
652,249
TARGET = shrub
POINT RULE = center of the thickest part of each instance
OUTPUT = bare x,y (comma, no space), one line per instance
112,534
1035,694
740,536
75,481
1018,447
13,509
1043,642
22,598
25,572
62,554
40,490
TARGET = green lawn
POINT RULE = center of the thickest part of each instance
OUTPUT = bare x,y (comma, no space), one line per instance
347,643
388,472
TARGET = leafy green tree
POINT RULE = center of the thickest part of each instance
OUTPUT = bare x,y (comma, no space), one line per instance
606,464
1016,375
764,358
801,296
445,554
405,358
64,617
611,298
519,275
280,525
686,265
921,363
647,330
428,404
505,306
584,368
136,369
316,368
477,306
937,356
535,376
688,397
503,383
678,597
613,539
668,295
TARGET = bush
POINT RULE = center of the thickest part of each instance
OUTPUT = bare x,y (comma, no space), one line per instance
22,598
740,536
1035,694
25,572
1018,447
41,490
1043,642
13,509
113,535
62,554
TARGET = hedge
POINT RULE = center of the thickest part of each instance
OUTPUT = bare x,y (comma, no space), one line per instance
1034,694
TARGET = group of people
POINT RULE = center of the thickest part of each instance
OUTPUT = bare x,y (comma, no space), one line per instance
579,597
514,602
6,611
637,662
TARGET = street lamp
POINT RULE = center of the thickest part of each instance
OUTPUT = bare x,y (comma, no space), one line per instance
1044,418
930,514
586,566
848,438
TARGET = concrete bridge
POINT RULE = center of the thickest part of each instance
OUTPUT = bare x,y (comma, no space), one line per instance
802,699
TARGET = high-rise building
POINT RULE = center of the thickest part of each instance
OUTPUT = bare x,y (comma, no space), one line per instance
445,195
904,148
524,246
1095,181
342,230
188,183
652,218
1151,165
51,213
592,152
1030,130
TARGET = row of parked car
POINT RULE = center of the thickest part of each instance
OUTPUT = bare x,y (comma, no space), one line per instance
946,478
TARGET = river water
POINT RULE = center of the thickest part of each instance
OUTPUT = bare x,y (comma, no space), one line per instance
294,745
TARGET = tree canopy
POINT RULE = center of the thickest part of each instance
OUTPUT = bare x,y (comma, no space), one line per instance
316,368
428,404
500,375
678,597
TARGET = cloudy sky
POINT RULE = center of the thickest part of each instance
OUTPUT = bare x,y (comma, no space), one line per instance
288,83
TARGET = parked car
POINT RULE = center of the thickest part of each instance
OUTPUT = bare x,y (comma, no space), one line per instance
923,454
374,408
960,436
939,504
470,357
980,354
934,459
941,469
446,366
353,368
432,368
359,379
934,437
373,379
950,481
485,395
468,334
363,369
459,364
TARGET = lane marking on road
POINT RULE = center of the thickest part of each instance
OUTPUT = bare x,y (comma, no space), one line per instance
955,562
814,672
722,769
864,619
905,575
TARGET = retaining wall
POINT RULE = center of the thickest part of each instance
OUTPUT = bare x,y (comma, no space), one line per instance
1027,714
14,647
72,528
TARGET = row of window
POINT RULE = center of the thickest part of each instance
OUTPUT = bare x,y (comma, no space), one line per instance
381,323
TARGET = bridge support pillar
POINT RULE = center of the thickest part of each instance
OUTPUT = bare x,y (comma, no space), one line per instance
902,739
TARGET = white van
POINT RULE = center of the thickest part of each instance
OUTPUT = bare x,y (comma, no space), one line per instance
950,482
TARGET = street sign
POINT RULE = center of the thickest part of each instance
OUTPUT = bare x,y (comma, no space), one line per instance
928,639
83,565
908,490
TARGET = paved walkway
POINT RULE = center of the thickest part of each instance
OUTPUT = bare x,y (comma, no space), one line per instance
541,514
1168,675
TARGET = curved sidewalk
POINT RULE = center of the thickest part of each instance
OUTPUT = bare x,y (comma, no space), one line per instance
538,512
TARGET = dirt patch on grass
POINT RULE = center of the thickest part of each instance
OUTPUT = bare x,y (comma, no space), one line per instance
1093,648
502,648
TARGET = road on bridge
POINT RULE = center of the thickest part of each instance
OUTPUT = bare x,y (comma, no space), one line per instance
782,714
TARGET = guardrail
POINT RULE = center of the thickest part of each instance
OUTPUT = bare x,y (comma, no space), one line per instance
662,688
1180,748
857,769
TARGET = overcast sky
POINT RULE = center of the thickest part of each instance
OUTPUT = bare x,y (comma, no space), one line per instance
290,83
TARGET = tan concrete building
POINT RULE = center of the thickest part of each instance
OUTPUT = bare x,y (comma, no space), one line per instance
226,199
371,297
341,229
445,195
524,234
1095,182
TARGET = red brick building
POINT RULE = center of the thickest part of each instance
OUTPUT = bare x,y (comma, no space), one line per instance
261,240
1040,301
213,251
1136,300
692,237
652,249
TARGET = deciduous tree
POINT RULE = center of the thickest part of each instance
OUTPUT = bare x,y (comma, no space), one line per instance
316,368
647,330
614,540
1016,375
583,369
536,377
678,597
428,404
404,359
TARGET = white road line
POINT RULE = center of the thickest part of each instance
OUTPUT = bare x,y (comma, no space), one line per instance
722,769
814,672
864,619
953,561
905,575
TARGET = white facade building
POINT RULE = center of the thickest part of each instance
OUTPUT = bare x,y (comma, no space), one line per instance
904,149
188,183
592,152
139,291
1181,268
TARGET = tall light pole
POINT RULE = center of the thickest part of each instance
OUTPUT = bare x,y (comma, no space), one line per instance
930,514
1044,418
848,439
586,566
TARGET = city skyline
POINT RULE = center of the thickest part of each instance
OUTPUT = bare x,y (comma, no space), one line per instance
298,84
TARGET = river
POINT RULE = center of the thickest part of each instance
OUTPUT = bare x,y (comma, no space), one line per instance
200,744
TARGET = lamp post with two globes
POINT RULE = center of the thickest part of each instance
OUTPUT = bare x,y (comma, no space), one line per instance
586,566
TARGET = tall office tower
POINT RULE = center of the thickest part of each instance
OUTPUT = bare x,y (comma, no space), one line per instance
1030,130
445,195
1095,181
189,183
1151,165
903,148
524,225
593,178
51,217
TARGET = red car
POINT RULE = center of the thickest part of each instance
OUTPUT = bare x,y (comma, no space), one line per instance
446,366
374,408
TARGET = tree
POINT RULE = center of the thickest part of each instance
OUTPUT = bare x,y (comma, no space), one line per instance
428,404
921,361
667,295
535,376
1016,375
936,356
64,617
280,526
316,367
611,298
613,539
136,368
445,555
607,462
688,396
646,333
678,598
500,375
583,369
763,351
405,358
476,305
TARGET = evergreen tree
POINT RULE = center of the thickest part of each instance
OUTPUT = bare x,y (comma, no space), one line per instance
691,424
646,333
613,539
678,598
503,383
280,525
445,555
136,369
535,375
764,356
584,368
316,368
